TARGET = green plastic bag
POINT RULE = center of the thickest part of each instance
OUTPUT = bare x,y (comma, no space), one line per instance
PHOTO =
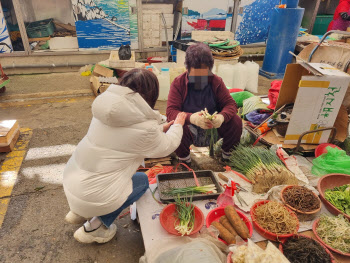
334,161
239,97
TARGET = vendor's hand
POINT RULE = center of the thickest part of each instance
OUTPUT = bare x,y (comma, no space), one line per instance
166,126
181,118
199,120
218,121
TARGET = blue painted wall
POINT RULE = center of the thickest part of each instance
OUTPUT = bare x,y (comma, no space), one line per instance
255,21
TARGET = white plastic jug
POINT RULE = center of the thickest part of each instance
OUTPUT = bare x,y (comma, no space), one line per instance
239,75
164,84
252,76
225,72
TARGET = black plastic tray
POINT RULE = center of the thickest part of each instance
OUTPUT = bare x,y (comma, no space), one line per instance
186,179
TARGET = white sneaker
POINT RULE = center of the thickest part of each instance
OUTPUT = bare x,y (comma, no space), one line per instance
75,219
99,235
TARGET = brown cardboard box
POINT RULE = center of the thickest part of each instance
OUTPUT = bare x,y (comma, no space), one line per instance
9,133
102,71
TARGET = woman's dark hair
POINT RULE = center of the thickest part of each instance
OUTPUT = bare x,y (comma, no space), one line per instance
143,82
199,55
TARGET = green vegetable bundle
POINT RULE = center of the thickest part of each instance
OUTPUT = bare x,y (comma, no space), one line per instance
185,216
339,197
262,167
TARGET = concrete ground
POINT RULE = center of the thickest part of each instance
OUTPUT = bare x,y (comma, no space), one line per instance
57,107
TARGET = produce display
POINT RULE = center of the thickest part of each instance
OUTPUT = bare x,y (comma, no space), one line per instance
251,253
231,225
185,216
301,198
335,232
262,167
275,218
211,188
339,197
302,249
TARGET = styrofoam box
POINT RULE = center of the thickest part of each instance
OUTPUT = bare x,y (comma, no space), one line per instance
164,8
57,43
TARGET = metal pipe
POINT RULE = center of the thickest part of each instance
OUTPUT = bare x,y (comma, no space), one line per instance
53,65
324,37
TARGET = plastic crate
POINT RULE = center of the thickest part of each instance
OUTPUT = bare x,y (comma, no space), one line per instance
43,28
321,24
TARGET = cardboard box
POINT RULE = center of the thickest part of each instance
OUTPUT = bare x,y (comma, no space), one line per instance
317,91
102,71
98,86
115,62
9,133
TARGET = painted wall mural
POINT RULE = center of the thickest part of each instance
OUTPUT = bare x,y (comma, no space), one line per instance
103,24
5,41
208,15
253,21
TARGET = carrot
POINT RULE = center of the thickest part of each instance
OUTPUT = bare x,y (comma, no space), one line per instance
236,222
224,221
224,233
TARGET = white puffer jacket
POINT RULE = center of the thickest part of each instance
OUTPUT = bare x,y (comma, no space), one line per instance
124,130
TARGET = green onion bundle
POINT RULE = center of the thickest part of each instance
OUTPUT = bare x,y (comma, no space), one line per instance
262,167
213,133
185,216
210,188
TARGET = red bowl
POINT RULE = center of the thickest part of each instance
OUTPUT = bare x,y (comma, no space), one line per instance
215,214
329,182
314,226
267,234
329,253
321,149
167,219
296,210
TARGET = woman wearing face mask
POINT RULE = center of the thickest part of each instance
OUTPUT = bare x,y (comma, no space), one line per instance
196,89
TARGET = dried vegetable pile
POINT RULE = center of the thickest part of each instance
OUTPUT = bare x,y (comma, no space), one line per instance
335,232
301,198
275,218
262,167
301,249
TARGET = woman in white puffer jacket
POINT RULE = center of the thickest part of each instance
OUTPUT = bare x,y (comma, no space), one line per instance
100,179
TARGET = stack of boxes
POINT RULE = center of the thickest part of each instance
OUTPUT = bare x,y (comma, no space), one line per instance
153,26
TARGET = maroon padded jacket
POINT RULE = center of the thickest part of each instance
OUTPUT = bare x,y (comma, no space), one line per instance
178,92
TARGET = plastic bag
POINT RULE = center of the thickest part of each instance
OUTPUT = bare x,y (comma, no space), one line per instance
334,161
252,76
239,97
124,52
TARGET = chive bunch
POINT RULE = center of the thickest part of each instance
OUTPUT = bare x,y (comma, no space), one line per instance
185,216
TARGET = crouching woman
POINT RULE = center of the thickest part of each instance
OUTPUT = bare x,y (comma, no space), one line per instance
100,179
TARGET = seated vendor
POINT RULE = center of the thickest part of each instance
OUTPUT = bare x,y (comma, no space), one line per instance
193,91
100,179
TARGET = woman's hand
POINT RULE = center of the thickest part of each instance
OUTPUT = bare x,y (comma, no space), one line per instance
181,118
166,126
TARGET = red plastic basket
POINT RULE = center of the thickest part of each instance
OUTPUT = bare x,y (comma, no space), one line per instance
321,149
167,220
267,234
314,226
215,214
